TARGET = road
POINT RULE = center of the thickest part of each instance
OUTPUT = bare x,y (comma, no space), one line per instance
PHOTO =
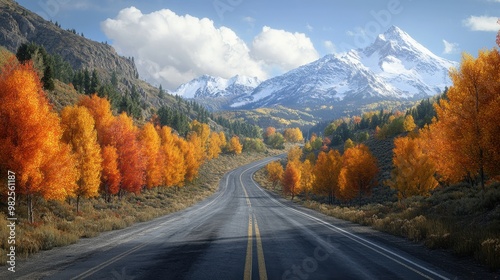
241,232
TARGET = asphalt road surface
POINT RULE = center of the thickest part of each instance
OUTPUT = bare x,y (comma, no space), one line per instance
241,232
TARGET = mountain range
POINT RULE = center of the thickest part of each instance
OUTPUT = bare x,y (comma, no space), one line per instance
395,67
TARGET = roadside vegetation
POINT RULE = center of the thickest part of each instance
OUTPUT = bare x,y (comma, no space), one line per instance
430,174
89,167
60,225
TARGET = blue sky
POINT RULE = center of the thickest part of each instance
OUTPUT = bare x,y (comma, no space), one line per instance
263,38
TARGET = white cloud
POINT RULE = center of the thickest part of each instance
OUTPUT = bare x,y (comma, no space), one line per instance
309,27
283,49
450,48
330,46
482,23
171,49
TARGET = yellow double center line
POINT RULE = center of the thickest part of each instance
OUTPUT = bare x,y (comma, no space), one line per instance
252,221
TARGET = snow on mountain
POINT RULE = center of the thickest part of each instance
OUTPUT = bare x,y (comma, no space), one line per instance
394,67
213,87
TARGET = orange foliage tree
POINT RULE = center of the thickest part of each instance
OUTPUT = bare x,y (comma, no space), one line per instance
326,171
30,138
467,131
151,143
100,109
358,173
80,133
291,178
111,177
123,135
413,172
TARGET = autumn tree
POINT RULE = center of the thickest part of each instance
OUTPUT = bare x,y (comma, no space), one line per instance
409,124
174,166
79,131
274,172
291,178
326,171
293,135
30,138
307,177
203,132
214,145
100,109
269,132
130,158
235,146
413,172
193,154
468,123
348,144
358,174
150,142
111,177
294,154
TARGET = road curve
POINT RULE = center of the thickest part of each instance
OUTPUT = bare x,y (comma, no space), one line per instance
241,232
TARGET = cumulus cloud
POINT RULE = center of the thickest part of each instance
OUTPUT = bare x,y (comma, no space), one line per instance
283,49
450,48
482,23
171,49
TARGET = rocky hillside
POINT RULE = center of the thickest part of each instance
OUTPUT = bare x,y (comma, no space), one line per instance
19,25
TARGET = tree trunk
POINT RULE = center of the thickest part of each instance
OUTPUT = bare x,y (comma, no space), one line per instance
77,204
30,208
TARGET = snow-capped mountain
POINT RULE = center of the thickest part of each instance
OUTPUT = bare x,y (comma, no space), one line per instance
212,87
394,67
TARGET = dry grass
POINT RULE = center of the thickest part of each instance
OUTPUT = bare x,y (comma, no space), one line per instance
57,224
460,218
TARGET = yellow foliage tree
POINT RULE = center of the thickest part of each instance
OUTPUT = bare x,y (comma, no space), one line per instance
214,145
274,172
294,154
413,172
409,123
80,133
173,165
307,177
235,146
293,135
